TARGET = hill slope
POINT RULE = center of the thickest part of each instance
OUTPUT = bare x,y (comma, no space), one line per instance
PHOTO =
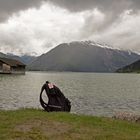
83,57
134,67
26,59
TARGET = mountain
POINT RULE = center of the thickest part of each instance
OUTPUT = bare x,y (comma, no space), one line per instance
3,55
85,56
26,59
134,67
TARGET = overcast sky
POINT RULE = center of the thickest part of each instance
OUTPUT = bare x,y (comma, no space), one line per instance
35,26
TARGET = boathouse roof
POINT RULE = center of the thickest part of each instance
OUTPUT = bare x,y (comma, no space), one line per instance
11,62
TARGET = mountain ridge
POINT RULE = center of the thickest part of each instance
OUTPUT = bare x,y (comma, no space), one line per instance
85,56
132,68
26,59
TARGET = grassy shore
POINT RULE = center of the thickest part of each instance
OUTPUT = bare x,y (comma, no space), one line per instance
31,124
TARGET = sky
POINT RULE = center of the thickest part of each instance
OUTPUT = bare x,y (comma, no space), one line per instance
33,27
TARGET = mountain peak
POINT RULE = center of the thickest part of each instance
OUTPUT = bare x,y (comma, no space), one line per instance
90,43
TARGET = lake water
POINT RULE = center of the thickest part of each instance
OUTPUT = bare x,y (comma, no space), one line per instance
100,94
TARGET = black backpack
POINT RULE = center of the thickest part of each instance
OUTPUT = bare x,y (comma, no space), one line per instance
61,102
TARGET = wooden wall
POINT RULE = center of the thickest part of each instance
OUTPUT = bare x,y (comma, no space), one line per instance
4,68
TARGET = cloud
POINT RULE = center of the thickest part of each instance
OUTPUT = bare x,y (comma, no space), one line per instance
111,8
123,33
8,7
36,30
116,6
93,22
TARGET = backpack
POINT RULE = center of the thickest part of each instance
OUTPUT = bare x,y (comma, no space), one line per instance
63,105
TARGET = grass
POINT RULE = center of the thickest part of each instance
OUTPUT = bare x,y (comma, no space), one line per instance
32,124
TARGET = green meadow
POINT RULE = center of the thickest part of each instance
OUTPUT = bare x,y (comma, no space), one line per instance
32,124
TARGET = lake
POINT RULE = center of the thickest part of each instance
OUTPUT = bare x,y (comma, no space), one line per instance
100,94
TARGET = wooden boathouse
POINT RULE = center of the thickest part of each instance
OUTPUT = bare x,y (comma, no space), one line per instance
11,66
